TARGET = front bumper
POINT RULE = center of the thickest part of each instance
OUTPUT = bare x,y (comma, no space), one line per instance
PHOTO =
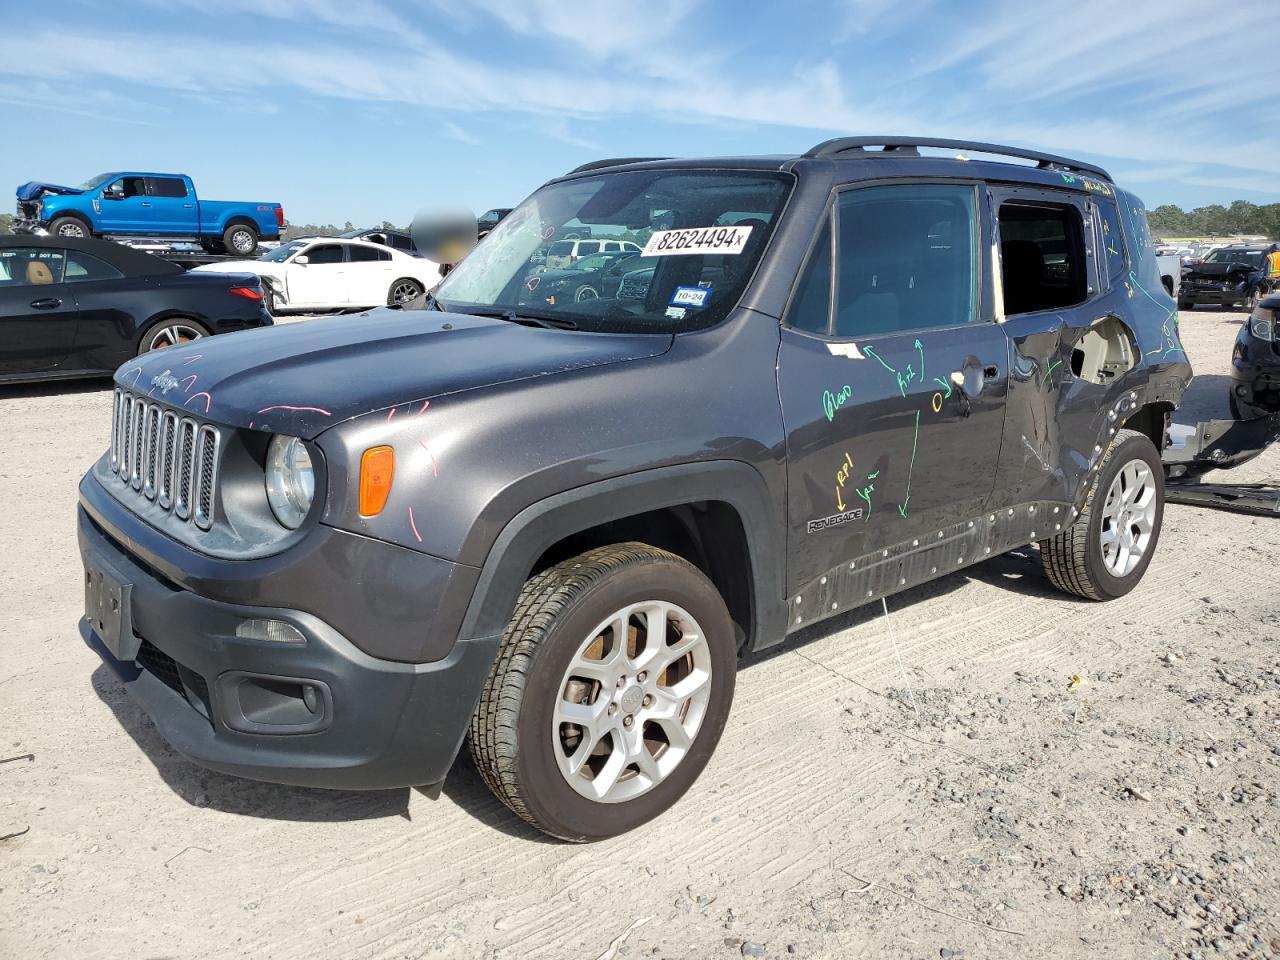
241,706
1219,297
28,227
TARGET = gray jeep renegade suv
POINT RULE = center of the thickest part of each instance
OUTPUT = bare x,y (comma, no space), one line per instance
328,553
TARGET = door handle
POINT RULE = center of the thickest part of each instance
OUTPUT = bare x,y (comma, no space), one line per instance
48,303
145,203
186,206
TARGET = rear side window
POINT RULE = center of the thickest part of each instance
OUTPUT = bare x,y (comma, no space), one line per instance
325,253
906,259
588,247
811,309
1111,239
1042,260
366,254
166,187
81,267
562,249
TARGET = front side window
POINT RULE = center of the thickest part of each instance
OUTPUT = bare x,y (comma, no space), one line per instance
325,253
31,266
811,307
81,267
1042,259
700,233
907,259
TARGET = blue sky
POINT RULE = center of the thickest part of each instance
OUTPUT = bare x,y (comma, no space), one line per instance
366,110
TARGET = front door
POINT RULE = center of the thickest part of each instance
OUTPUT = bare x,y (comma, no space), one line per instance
321,280
892,375
38,314
124,206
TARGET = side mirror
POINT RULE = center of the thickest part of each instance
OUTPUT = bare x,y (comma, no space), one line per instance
113,192
302,259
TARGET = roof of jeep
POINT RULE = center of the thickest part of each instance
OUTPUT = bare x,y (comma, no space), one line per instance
873,157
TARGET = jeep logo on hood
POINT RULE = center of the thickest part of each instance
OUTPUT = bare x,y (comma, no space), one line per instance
165,381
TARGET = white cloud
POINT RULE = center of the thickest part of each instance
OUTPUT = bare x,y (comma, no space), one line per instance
455,132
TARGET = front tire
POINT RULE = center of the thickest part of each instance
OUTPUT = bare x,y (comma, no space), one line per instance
610,691
1104,554
240,239
72,228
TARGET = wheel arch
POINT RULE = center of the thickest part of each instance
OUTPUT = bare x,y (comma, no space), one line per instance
145,325
716,514
74,214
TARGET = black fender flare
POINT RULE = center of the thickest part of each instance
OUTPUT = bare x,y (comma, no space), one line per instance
537,527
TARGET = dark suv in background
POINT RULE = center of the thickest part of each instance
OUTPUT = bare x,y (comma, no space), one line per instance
551,529
1227,277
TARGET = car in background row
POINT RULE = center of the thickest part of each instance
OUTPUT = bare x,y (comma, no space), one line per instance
330,273
1255,363
599,275
146,205
395,239
80,308
564,253
1228,276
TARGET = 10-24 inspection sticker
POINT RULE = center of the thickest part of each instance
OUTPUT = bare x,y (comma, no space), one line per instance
691,240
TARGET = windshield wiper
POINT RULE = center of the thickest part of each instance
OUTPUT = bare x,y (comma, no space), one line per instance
526,318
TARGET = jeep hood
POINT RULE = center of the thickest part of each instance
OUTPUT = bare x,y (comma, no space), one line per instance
34,190
303,378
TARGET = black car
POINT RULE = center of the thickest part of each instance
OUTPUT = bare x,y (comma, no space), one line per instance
1227,277
553,530
396,239
1255,363
490,219
80,308
590,278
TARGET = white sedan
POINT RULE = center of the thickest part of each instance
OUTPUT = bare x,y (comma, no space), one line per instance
326,273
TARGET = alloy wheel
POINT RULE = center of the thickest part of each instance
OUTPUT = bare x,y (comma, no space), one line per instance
404,291
71,230
173,334
1128,518
242,241
631,701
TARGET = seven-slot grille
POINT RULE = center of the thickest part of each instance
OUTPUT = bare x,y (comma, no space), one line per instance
165,456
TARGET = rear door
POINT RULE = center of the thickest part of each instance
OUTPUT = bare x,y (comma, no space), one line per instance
172,205
38,314
321,280
368,281
892,374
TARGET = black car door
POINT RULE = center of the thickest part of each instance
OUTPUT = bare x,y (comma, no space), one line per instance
892,374
38,314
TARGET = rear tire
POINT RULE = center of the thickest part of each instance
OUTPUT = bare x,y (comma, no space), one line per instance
171,332
566,651
240,239
72,228
1077,560
402,291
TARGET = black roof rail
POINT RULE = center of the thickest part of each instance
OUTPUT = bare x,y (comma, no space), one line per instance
613,162
907,147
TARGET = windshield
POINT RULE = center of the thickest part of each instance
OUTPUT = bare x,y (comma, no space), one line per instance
1249,257
284,251
701,234
97,181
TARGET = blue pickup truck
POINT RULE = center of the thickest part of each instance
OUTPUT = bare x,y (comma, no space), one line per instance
147,205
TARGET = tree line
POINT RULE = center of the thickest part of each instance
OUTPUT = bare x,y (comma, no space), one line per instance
1242,217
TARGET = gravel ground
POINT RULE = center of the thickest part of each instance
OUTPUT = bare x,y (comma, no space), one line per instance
974,802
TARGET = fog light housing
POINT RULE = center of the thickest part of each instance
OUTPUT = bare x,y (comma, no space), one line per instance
269,631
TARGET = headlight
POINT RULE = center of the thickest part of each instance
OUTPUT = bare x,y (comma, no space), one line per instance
1263,323
291,481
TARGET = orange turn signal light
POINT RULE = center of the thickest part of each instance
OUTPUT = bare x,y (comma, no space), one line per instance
377,469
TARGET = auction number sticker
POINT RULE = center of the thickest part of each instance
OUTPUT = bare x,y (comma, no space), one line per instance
691,240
